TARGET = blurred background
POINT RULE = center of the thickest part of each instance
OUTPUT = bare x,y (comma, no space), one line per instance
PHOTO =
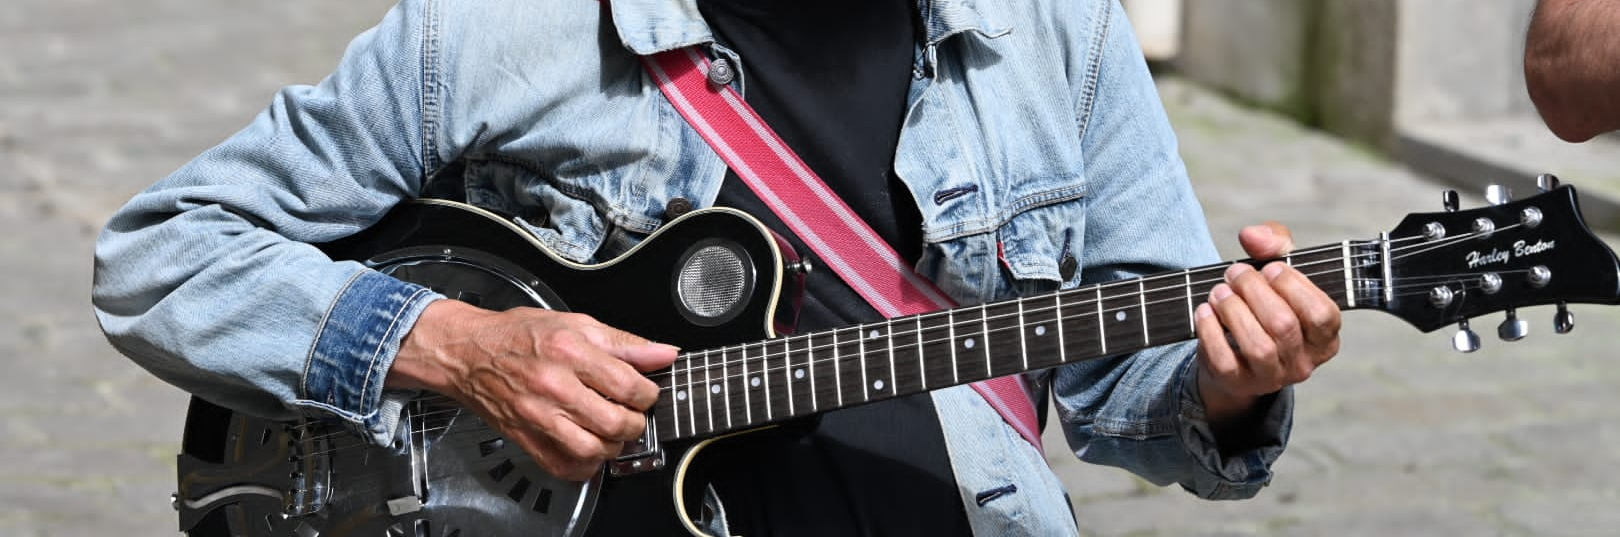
1337,117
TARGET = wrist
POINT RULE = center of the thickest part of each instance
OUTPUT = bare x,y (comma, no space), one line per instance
425,360
1222,405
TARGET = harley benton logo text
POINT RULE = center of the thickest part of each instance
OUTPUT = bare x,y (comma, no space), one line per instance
1520,249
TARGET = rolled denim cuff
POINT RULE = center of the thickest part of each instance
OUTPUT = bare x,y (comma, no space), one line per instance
1239,475
357,342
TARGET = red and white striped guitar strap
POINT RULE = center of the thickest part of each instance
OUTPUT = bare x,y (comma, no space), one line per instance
819,217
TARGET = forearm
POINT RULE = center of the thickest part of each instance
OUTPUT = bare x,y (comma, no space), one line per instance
1572,66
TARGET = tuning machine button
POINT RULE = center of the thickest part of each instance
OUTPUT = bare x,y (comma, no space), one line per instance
1440,297
1434,231
1563,321
1546,182
1450,201
1498,194
1513,328
1540,276
1530,217
1465,340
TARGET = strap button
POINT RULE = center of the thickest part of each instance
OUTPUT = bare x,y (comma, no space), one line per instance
1067,267
721,73
677,207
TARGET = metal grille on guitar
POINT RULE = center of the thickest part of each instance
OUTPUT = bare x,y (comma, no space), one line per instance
712,281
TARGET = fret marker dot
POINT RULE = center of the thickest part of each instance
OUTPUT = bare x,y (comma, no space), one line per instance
967,343
714,388
878,385
1119,316
798,373
754,381
874,335
680,395
1040,330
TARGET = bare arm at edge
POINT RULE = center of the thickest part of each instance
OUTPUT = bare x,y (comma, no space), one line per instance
1572,66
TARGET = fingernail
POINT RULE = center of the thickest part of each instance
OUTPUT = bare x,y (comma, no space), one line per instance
1273,270
1204,310
668,347
1219,293
1236,270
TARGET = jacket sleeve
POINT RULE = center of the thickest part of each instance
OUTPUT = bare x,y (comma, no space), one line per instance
1142,412
208,279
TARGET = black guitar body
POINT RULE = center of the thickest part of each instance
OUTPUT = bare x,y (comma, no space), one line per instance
710,278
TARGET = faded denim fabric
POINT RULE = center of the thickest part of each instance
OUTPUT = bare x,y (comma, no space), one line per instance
1033,133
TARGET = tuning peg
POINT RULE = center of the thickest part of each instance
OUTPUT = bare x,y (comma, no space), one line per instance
1498,194
1450,201
1563,321
1546,182
1514,328
1465,340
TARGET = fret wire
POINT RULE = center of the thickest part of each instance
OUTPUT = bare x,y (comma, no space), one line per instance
765,377
1141,302
950,325
1192,319
1063,347
838,370
791,374
1102,328
922,365
894,375
1023,342
709,406
810,346
675,403
860,339
748,405
984,327
725,392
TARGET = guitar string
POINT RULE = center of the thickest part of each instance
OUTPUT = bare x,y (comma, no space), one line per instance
1090,302
483,427
770,369
1087,304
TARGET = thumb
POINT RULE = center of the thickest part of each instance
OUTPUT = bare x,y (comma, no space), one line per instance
1266,241
644,355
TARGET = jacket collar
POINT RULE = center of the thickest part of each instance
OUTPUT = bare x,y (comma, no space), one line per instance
648,27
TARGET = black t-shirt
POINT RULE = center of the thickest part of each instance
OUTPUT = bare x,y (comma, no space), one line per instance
831,76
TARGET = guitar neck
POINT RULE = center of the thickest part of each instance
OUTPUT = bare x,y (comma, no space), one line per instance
749,385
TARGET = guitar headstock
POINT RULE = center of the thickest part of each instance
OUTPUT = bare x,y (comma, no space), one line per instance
1448,267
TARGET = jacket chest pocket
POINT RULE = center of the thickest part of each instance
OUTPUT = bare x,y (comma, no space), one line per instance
1035,250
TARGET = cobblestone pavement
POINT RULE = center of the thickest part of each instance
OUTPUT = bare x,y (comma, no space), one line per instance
1397,436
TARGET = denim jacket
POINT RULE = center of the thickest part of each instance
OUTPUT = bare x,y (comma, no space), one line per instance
1034,145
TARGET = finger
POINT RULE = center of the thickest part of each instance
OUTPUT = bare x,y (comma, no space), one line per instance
1256,349
572,400
1270,310
558,450
1217,353
1270,240
616,380
1319,316
638,352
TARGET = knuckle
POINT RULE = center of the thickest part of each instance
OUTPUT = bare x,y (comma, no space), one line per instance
1263,349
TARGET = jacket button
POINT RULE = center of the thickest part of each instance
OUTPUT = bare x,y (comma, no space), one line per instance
677,207
721,73
1067,267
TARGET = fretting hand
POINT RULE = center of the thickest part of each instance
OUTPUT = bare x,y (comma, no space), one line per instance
1283,326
